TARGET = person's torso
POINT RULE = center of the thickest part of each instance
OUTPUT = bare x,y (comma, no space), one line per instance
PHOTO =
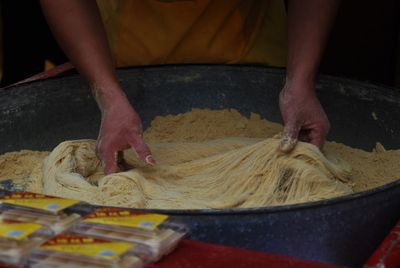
144,32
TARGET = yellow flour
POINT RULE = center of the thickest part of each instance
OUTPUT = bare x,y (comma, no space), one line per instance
192,148
201,125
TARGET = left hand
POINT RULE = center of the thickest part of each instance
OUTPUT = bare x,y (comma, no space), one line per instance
121,128
303,116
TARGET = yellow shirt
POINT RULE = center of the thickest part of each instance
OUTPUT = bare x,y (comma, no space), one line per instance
148,32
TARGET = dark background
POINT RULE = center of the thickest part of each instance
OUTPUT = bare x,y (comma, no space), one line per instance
364,43
27,41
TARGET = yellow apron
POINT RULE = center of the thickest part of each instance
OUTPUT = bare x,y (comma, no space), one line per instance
149,32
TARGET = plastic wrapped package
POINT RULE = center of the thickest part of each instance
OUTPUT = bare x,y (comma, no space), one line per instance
35,208
38,202
156,231
57,223
17,239
81,251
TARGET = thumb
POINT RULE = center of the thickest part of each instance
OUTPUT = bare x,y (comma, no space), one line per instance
289,137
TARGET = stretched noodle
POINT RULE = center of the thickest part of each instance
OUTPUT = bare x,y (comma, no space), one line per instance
221,173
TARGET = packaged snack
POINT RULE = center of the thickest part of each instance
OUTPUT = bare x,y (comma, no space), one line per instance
156,231
18,238
41,209
74,250
38,202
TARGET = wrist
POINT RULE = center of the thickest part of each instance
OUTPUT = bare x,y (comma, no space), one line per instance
300,84
109,96
301,72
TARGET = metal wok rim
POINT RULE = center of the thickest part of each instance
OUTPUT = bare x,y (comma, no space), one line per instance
71,74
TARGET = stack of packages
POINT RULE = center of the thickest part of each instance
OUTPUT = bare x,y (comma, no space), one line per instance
43,231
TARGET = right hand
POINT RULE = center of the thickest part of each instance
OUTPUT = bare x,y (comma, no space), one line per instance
121,128
303,115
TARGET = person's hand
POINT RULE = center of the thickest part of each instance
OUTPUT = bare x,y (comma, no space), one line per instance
303,116
121,128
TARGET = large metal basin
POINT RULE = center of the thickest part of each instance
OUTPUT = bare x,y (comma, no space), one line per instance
341,231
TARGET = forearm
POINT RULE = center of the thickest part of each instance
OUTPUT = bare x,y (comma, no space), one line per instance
79,30
309,23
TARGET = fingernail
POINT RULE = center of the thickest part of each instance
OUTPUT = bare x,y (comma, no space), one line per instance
150,160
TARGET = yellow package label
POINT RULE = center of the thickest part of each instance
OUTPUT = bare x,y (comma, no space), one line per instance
38,201
17,230
88,246
127,218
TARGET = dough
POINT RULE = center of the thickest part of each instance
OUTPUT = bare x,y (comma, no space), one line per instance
200,165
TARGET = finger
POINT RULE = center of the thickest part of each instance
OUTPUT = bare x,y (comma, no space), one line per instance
109,159
317,137
142,150
289,137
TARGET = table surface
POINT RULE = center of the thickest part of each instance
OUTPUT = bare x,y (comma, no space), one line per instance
195,254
